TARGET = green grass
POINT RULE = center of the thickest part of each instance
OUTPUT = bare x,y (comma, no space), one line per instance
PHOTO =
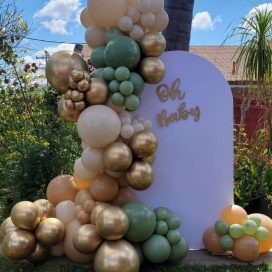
63,265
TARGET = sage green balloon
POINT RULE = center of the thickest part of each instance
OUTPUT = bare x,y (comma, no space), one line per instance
173,222
173,237
161,228
108,74
122,51
114,86
126,88
221,227
97,57
142,222
97,73
137,82
250,227
236,231
262,234
156,249
256,218
117,99
226,242
112,34
162,213
122,73
179,251
132,102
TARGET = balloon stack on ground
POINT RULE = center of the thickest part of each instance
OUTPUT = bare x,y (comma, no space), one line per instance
246,236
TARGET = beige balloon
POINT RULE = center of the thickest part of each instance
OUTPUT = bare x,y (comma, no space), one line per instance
161,21
95,36
82,196
65,211
99,126
85,18
81,172
157,5
106,13
83,217
57,250
84,145
92,159
69,248
134,14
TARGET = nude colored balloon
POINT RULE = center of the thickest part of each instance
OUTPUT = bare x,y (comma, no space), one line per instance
148,19
81,172
83,217
65,211
92,159
85,18
123,197
82,183
161,21
106,13
82,196
157,5
57,250
136,33
99,126
61,188
234,214
95,36
69,248
143,5
211,241
134,14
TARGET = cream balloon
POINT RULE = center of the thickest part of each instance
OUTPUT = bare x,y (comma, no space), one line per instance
125,23
65,211
95,36
81,172
148,19
161,21
106,13
143,5
134,14
136,32
85,18
157,5
98,126
57,250
84,145
92,159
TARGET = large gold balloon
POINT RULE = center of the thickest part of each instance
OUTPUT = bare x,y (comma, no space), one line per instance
118,157
86,239
25,215
144,144
116,256
18,244
112,223
59,67
70,115
153,44
140,175
6,227
45,208
98,92
152,69
151,159
50,232
40,254
97,210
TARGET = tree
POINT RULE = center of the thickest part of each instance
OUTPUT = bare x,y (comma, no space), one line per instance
178,32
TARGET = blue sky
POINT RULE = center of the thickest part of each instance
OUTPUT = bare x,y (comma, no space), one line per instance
58,20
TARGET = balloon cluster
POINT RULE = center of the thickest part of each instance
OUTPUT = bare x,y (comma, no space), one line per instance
245,235
30,231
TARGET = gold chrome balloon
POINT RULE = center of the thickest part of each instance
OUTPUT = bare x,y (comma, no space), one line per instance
116,256
98,92
69,104
50,232
60,66
83,85
97,210
152,69
68,94
118,157
72,84
153,44
86,239
40,254
77,96
25,215
6,227
77,75
151,159
18,244
143,144
67,114
140,175
112,223
81,105
45,208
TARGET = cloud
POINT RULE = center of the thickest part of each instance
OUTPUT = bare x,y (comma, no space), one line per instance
56,26
204,21
262,8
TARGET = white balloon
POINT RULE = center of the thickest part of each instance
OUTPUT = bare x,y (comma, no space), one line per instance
157,5
148,19
125,23
95,36
81,172
136,33
98,126
138,127
161,21
125,114
65,211
92,159
143,5
147,125
127,131
126,120
134,14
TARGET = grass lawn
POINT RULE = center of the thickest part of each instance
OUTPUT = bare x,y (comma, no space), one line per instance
62,265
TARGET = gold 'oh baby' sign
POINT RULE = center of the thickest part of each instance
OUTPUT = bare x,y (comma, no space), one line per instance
174,92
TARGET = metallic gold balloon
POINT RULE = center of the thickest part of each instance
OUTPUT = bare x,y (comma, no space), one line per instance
77,96
86,239
77,75
83,85
97,210
45,208
118,157
18,244
140,175
153,44
143,144
60,66
151,159
72,84
40,254
25,215
81,105
68,94
6,227
98,92
116,256
69,104
66,114
152,69
50,232
87,76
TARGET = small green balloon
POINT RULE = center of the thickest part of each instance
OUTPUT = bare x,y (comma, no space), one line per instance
221,227
137,82
97,57
97,73
256,218
236,231
162,213
122,73
112,34
108,74
262,234
173,222
161,228
179,251
114,86
132,102
156,249
126,88
250,227
139,250
226,242
173,237
117,99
